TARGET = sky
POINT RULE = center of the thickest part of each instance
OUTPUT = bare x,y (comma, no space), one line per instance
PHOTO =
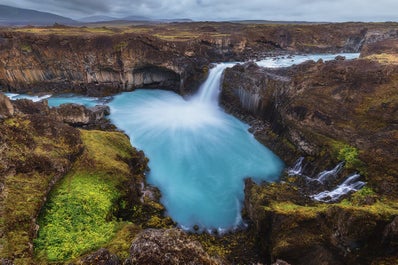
287,10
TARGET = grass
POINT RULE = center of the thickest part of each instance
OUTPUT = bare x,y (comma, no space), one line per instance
79,215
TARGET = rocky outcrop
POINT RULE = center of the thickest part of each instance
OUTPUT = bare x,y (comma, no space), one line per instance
6,108
78,115
325,112
170,246
292,228
93,65
100,257
316,109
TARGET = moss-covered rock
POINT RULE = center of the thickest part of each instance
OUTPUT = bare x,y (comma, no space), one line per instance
306,232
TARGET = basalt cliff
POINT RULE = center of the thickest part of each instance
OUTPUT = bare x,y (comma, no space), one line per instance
54,161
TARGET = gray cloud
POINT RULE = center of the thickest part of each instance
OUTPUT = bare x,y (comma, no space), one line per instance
310,10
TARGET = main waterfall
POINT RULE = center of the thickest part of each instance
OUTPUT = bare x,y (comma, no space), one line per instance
199,155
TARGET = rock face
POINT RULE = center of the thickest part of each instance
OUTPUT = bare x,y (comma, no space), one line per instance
72,60
323,111
292,228
6,108
170,246
319,107
93,65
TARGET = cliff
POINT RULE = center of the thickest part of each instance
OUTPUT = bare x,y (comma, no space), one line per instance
103,61
325,112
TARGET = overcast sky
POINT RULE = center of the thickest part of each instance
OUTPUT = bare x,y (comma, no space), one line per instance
308,10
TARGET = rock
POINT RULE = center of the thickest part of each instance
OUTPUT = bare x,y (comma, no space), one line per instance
6,108
171,246
280,262
100,257
316,108
27,106
79,115
302,232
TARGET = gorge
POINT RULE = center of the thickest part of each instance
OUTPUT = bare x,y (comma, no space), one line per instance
324,111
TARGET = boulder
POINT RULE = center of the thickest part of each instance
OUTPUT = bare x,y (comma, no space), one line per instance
170,246
79,115
100,257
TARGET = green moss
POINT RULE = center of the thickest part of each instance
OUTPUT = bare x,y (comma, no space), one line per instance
121,242
79,215
289,208
76,217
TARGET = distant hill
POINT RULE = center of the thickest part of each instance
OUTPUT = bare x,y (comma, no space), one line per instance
97,19
10,16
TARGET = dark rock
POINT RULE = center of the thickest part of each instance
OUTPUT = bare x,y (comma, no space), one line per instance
6,108
27,106
280,262
100,257
170,246
79,115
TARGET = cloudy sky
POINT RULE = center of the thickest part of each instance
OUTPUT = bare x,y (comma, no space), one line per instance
309,10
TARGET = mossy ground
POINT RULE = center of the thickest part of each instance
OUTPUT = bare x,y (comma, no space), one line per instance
31,157
94,204
79,215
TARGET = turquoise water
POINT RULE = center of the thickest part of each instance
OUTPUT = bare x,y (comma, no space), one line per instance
199,155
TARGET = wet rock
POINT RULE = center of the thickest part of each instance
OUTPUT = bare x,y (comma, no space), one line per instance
6,108
170,246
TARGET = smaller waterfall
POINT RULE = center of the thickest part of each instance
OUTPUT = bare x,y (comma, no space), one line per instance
297,169
351,184
328,175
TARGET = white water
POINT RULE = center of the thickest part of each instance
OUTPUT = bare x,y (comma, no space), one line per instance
324,178
297,169
351,184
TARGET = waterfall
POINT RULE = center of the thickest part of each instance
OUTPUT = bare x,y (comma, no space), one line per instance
328,175
297,169
351,184
210,89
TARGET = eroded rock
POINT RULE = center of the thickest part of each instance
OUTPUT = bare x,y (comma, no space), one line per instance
169,246
6,108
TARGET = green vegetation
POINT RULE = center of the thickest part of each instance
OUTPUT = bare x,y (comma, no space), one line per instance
23,144
76,217
79,215
348,154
